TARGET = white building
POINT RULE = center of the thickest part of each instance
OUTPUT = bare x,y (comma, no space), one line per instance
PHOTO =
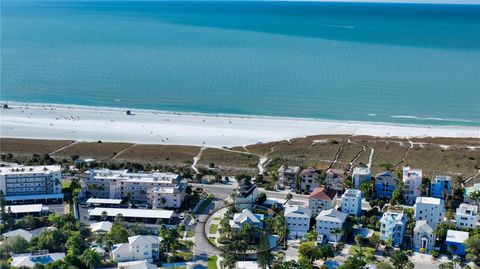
247,193
30,259
27,235
31,183
392,226
423,237
360,175
297,219
412,181
246,217
309,179
329,220
430,209
101,227
466,216
335,179
138,248
19,211
131,214
287,177
352,202
247,265
322,199
159,190
136,265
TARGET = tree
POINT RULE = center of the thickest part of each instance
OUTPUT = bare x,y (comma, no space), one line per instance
336,232
91,258
472,246
399,260
261,198
289,196
446,265
264,255
475,197
308,250
119,218
104,215
397,197
118,234
15,244
74,244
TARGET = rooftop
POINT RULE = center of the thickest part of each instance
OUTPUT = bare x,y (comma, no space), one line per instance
34,197
353,193
30,169
104,226
392,217
104,201
463,208
429,200
323,194
475,187
441,178
298,211
361,171
411,173
126,176
332,215
36,208
422,225
132,212
457,236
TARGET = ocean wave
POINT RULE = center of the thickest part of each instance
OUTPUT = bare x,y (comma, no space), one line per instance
339,26
430,118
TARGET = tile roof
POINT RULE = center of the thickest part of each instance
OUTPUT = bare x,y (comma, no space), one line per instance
323,194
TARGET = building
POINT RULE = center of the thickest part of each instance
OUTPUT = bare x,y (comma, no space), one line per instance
20,211
138,248
309,179
360,175
29,260
247,193
392,226
455,241
131,214
246,217
430,209
423,237
136,265
466,216
247,265
352,202
158,190
412,181
297,219
468,191
27,235
288,177
322,199
102,202
31,184
440,187
385,185
329,221
335,179
101,227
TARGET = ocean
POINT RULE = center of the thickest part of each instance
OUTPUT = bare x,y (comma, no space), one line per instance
394,63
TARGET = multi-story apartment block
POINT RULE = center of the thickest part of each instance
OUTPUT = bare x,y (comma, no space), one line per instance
385,185
360,175
423,237
466,216
138,248
440,187
309,179
31,184
247,193
392,226
430,209
288,176
297,219
412,181
322,199
335,179
159,190
352,202
328,221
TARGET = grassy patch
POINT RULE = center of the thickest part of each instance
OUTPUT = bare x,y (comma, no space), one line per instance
27,147
368,251
216,218
190,234
213,228
98,151
167,154
185,255
212,262
228,161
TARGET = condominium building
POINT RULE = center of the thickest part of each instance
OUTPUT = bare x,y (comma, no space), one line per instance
297,219
138,248
466,216
440,187
392,226
352,202
430,209
309,179
329,224
335,179
31,184
423,237
360,175
159,190
412,181
385,185
322,199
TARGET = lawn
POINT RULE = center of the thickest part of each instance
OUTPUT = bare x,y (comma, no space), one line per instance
367,251
190,233
185,255
212,262
213,228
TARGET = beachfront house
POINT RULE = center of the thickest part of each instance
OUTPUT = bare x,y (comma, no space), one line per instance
335,179
309,179
329,224
297,219
322,199
138,248
352,202
455,242
246,194
360,175
423,237
412,181
466,216
440,187
385,185
288,177
392,226
430,209
246,217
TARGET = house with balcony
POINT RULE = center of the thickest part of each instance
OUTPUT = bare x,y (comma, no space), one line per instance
385,185
430,209
247,193
297,219
352,202
322,199
335,179
466,216
138,248
423,237
412,181
360,175
440,187
329,221
309,179
392,226
288,176
246,217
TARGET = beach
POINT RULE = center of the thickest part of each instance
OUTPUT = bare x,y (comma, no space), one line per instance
83,123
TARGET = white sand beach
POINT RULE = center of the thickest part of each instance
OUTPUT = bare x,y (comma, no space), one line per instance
160,127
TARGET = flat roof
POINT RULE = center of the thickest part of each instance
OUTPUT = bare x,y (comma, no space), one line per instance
429,200
104,201
457,236
30,169
132,212
24,208
32,197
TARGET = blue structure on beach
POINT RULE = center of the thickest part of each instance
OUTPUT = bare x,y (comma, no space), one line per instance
440,187
385,185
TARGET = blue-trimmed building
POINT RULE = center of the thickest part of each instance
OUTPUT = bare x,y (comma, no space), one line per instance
455,242
440,187
385,185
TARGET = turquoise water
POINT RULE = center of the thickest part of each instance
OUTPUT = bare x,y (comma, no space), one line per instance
399,63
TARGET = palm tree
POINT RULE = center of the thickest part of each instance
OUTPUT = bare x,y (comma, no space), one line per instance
91,258
336,232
